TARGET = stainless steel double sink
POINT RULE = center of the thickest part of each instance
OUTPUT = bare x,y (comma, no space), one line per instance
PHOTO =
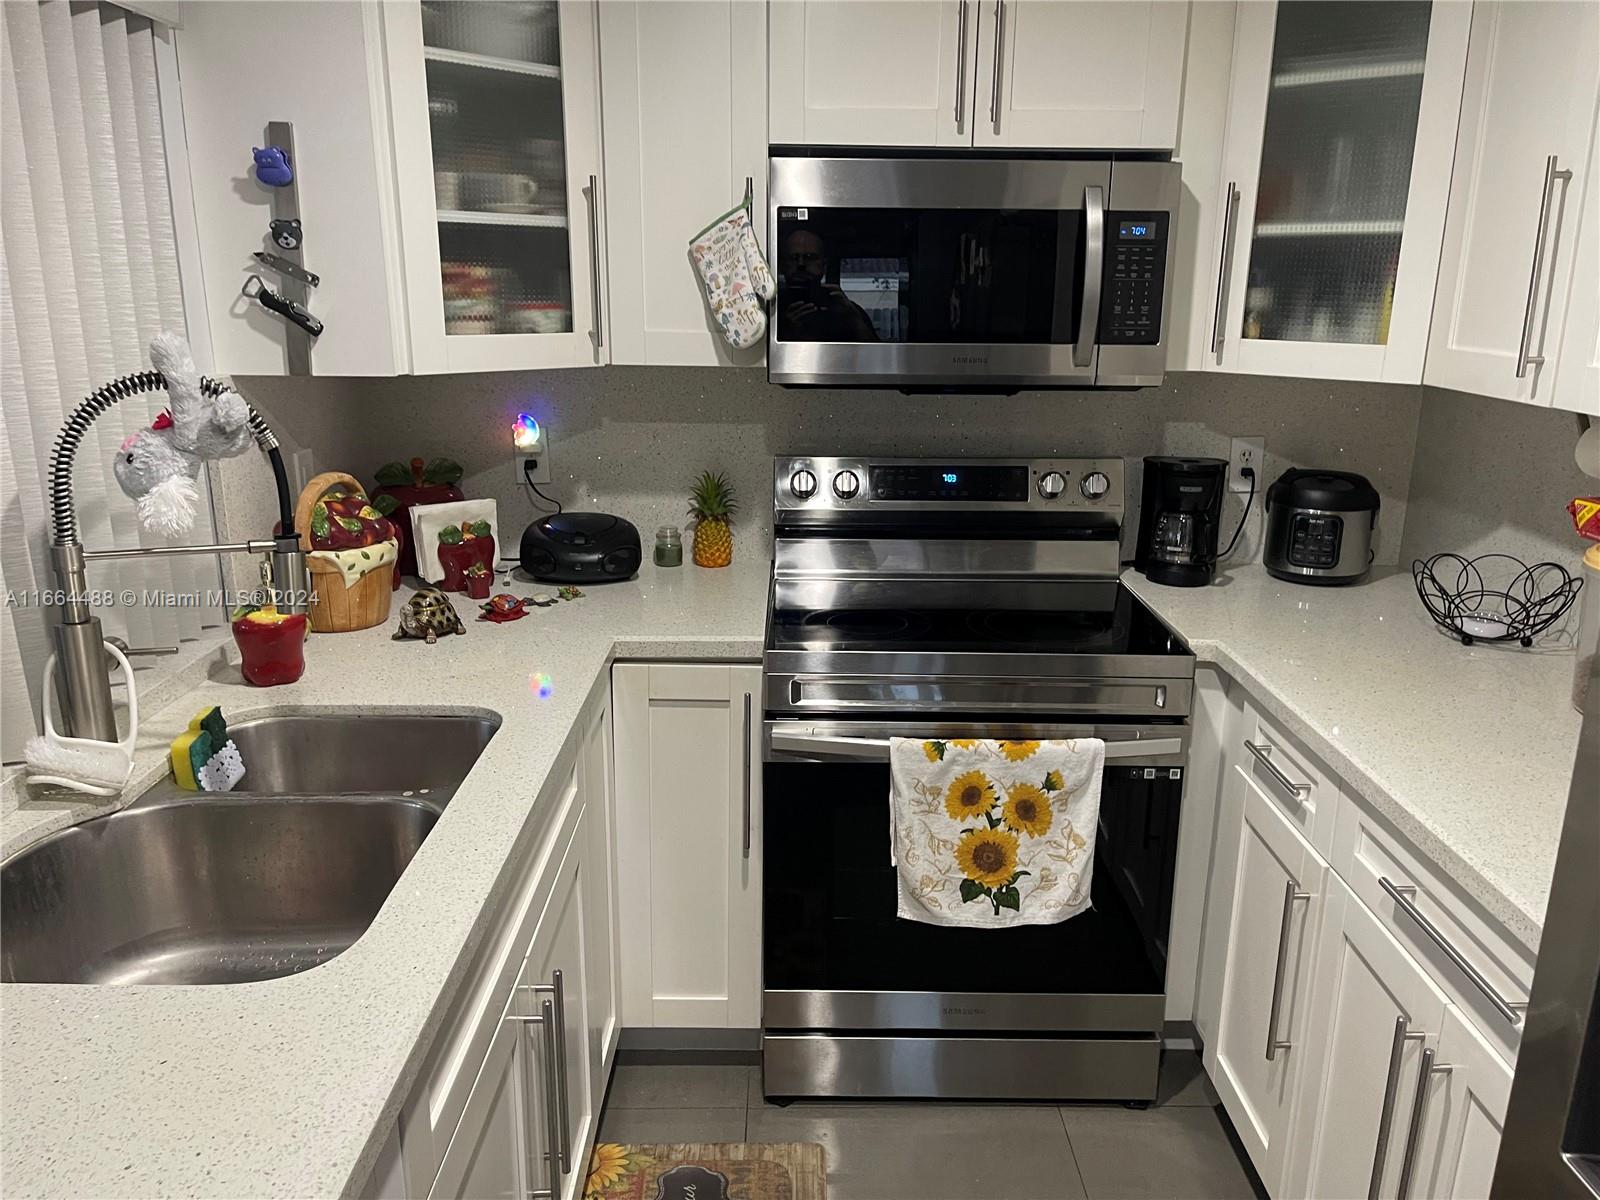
275,877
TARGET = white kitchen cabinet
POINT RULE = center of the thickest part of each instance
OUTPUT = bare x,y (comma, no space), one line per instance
1042,74
1354,1047
495,112
325,87
688,802
1528,113
1081,76
663,184
1341,131
871,72
1272,890
491,1153
557,970
1577,386
600,930
1463,1117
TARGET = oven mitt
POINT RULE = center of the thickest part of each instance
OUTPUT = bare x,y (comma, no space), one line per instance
734,276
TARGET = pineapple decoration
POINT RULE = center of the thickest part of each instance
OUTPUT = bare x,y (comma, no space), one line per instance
711,505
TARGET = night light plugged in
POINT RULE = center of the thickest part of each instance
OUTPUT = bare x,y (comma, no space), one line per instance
530,446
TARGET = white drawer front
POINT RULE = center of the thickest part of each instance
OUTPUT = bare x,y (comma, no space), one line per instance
1469,954
1295,779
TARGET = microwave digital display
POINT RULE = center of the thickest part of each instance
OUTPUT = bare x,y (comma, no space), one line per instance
1144,231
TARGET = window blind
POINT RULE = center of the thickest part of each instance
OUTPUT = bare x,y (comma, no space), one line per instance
88,274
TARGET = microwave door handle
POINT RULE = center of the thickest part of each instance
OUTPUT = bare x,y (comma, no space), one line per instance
877,749
1094,256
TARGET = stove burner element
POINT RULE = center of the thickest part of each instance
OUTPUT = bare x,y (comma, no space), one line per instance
885,622
1047,630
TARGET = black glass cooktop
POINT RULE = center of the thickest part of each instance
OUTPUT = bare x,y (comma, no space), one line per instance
1106,619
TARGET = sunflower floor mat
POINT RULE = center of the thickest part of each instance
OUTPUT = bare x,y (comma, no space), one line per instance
729,1171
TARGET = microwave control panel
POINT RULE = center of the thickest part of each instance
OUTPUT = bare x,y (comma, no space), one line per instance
1135,278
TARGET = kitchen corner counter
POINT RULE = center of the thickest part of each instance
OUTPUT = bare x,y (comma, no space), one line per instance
288,1087
1467,750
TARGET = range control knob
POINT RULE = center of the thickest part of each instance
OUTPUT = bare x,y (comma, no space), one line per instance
1094,485
803,484
1052,484
846,484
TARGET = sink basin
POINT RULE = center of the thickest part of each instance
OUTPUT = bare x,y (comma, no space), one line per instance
187,888
345,752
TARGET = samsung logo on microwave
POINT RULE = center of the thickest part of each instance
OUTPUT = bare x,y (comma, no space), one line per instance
969,360
951,1010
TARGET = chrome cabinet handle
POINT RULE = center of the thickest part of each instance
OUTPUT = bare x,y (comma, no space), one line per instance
544,1020
999,42
558,1034
1419,1107
1224,263
1291,893
1391,1087
1401,893
747,774
1094,262
961,61
552,1128
594,258
1264,757
1525,356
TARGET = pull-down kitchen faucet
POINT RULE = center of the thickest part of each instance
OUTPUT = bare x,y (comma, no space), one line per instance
85,687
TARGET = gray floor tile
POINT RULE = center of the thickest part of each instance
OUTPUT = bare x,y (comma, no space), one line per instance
1154,1155
645,1126
930,1152
635,1086
1183,1081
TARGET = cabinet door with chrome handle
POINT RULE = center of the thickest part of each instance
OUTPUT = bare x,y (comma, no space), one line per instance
1513,267
1273,904
1372,1014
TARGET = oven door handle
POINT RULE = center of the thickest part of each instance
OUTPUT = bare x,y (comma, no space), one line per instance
877,749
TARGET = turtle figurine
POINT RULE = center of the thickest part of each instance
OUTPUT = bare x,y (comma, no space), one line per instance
428,615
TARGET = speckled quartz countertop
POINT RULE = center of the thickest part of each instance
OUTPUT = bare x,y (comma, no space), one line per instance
289,1087
1468,750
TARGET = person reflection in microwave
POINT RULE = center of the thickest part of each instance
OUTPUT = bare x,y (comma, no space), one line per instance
814,310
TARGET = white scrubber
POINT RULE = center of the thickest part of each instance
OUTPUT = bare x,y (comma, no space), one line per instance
83,764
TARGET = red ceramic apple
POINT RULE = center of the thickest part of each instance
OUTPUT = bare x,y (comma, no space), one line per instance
414,483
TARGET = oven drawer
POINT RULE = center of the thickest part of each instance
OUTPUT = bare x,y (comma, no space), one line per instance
979,1068
976,1012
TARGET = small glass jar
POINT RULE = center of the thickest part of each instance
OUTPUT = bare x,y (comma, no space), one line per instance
669,547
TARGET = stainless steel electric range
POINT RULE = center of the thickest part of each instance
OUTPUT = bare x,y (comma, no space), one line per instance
959,598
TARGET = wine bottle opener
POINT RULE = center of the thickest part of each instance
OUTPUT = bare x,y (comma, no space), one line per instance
298,314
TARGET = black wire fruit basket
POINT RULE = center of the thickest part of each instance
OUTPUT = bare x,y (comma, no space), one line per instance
1459,596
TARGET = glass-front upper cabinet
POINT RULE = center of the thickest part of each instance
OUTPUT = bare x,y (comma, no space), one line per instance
1336,173
495,108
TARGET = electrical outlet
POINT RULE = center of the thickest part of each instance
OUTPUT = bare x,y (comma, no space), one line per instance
534,468
530,445
1246,452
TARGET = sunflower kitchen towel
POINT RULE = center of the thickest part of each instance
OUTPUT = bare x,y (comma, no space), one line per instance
990,834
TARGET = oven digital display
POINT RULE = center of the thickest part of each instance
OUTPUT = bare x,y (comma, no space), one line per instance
993,483
1144,231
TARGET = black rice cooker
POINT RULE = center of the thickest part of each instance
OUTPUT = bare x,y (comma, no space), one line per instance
1320,526
580,547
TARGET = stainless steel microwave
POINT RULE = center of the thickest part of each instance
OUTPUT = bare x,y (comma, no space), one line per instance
970,273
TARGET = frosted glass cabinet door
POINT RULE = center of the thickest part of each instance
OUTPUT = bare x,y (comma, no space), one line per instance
495,113
1336,174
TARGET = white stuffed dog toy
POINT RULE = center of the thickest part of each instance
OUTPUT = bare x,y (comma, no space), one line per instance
157,466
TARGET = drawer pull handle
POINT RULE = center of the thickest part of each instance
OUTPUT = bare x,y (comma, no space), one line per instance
1391,1086
1264,756
1291,893
1401,893
1419,1107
